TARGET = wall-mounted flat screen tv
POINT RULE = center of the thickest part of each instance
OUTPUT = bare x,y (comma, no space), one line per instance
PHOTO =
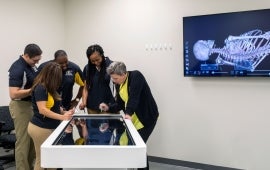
227,44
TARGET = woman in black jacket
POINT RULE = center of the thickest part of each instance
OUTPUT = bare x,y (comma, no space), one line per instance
134,97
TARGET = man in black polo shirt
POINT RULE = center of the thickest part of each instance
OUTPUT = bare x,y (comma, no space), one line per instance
21,76
71,74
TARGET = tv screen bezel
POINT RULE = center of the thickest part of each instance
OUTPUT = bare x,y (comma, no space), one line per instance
204,27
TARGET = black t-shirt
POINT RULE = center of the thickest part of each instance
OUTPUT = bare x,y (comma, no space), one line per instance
71,75
41,94
100,90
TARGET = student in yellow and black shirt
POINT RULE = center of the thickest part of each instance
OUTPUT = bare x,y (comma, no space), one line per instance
72,74
46,106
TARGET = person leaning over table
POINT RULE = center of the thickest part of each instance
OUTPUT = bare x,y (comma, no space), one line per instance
134,97
46,105
21,76
72,74
98,85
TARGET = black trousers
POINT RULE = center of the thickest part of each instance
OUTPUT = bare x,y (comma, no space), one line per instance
145,133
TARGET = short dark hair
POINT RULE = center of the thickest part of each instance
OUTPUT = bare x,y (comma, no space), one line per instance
59,53
32,50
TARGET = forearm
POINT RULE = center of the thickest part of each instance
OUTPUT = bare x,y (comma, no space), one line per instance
116,106
17,93
84,95
50,114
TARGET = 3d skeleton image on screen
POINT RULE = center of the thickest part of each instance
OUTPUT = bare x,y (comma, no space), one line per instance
245,51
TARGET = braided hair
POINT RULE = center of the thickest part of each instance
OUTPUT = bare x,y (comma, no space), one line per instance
91,70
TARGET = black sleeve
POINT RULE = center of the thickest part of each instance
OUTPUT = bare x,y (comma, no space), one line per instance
16,77
135,86
117,105
40,93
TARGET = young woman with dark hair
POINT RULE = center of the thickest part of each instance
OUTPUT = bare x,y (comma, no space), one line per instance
98,87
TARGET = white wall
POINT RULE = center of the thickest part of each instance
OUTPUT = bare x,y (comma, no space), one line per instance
218,121
24,22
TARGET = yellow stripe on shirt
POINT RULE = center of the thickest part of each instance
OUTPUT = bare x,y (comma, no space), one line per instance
78,79
50,101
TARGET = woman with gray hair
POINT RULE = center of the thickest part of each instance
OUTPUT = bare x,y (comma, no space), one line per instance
134,97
